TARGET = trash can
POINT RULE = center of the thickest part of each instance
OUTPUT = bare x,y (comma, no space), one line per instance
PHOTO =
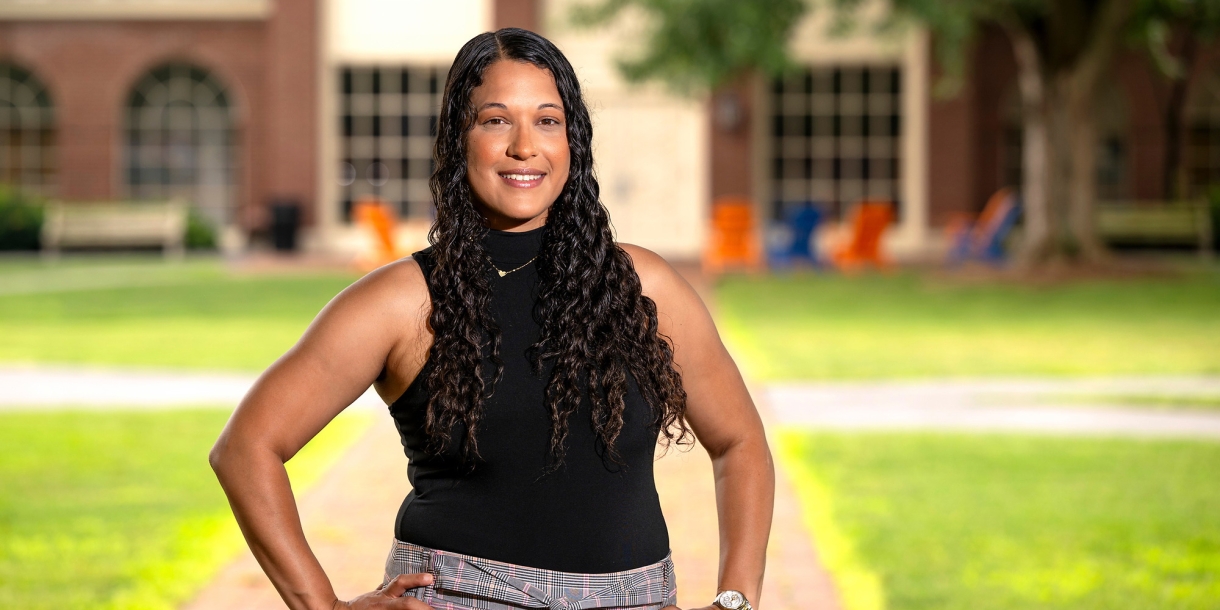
285,224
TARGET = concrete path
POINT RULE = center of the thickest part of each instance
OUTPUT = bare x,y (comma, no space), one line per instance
1021,405
40,386
1027,405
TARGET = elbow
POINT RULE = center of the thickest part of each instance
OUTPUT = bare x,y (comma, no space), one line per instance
751,448
223,455
770,461
235,454
216,458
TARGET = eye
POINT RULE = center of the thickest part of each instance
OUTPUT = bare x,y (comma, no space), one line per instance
550,121
495,120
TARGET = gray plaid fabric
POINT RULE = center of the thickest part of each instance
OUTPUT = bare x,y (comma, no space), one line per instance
462,582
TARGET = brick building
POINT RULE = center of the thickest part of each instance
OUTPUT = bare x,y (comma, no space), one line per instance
213,101
235,104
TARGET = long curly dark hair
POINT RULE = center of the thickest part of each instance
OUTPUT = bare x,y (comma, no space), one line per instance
597,326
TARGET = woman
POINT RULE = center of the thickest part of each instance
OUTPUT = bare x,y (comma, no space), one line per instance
531,365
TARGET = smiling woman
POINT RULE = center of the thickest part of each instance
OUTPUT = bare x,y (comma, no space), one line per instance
531,365
518,156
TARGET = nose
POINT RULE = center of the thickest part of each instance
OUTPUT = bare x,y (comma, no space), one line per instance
521,147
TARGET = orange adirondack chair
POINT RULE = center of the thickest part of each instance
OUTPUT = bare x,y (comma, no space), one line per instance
379,219
733,242
863,244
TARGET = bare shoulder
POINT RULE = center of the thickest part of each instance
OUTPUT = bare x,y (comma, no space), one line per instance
397,289
658,279
682,317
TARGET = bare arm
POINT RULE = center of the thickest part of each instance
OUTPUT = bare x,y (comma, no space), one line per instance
723,417
375,324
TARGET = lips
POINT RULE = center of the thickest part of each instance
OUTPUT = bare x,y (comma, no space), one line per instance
523,178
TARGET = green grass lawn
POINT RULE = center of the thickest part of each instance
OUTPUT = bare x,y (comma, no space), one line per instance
807,326
119,509
147,313
910,521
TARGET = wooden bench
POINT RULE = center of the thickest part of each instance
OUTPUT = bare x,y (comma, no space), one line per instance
1156,223
115,224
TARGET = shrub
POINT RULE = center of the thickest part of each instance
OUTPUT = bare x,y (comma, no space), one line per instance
21,218
200,233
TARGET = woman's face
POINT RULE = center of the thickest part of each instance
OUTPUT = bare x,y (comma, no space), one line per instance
517,154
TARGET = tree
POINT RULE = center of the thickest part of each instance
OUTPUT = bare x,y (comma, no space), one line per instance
1171,31
693,45
1063,49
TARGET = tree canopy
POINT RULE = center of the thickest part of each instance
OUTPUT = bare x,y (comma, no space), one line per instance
693,45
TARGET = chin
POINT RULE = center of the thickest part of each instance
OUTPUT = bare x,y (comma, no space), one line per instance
522,213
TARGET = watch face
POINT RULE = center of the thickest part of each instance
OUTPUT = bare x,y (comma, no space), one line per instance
731,599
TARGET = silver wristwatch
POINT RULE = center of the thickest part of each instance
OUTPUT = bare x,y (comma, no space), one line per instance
732,600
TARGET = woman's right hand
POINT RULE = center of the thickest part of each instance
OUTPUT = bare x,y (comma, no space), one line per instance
390,597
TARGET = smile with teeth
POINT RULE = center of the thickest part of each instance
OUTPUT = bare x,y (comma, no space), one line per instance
522,180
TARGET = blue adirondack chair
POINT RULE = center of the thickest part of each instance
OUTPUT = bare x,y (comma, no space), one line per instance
797,236
983,240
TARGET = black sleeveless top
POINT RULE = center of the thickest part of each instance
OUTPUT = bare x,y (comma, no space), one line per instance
592,515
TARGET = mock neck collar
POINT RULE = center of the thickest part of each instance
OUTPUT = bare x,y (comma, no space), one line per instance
509,249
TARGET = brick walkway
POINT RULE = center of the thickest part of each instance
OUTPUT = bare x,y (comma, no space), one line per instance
348,519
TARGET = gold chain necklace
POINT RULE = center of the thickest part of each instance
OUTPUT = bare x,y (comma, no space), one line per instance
504,273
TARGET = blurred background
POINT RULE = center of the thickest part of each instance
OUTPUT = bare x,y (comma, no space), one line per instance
964,255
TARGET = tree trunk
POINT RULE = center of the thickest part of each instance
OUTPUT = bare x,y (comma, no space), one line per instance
1174,110
1060,166
1081,80
1037,244
1081,183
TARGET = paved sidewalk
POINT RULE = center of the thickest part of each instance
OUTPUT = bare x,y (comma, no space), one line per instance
1019,405
43,386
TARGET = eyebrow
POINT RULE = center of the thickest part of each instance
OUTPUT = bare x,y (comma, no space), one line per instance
540,106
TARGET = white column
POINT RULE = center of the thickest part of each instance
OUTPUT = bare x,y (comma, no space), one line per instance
914,232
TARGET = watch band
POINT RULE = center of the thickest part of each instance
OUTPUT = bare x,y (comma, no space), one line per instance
732,600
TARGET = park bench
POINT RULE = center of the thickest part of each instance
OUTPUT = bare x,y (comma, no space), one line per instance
115,224
1156,223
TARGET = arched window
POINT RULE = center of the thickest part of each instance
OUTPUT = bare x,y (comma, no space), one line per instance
181,141
1203,134
27,132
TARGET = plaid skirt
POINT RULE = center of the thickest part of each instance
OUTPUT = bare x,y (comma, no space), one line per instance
463,582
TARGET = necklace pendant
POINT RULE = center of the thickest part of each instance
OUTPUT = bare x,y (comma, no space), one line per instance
502,273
